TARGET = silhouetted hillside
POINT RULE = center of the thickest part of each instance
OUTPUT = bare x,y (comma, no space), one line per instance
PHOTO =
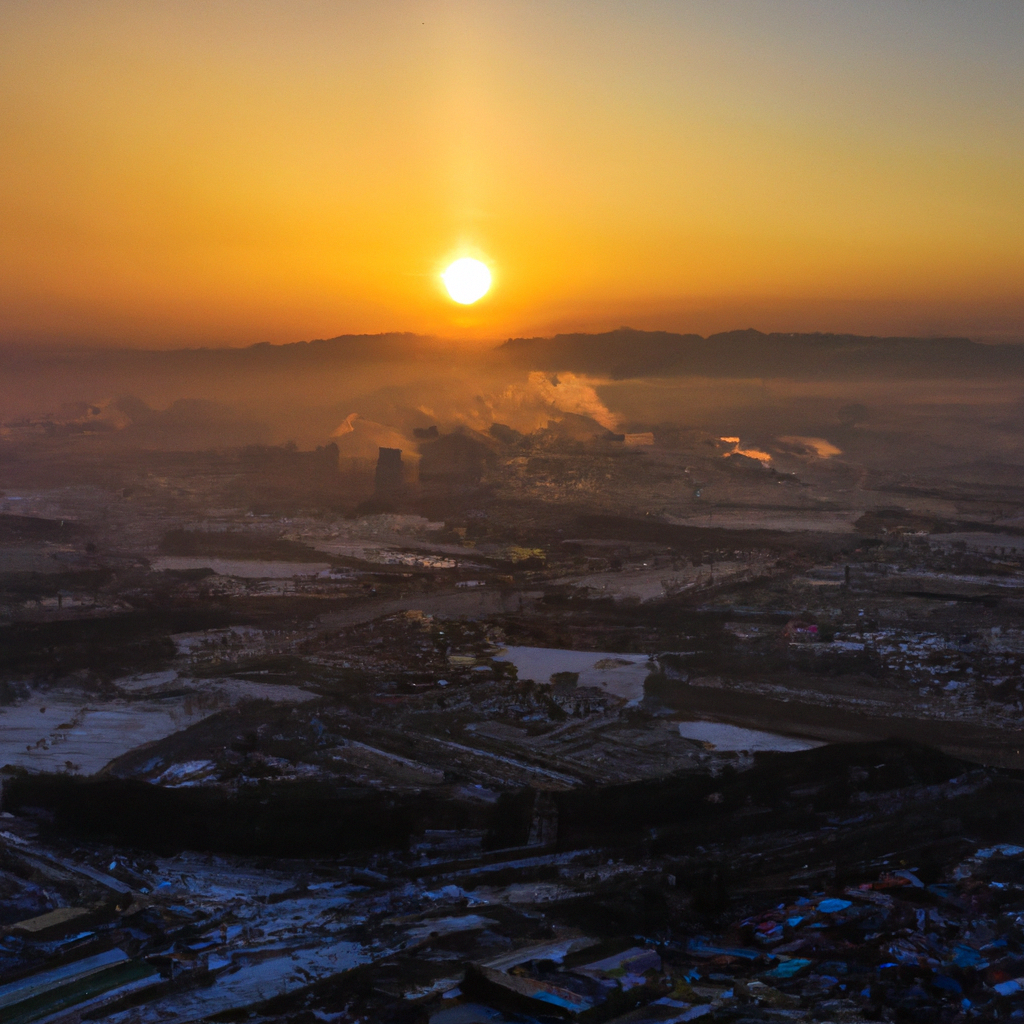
627,353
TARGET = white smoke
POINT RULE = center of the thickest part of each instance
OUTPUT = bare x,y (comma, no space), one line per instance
347,425
569,393
361,438
530,405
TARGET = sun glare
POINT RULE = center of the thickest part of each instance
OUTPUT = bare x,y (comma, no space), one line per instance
467,280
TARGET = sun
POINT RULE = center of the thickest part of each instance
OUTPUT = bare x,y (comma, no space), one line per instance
467,280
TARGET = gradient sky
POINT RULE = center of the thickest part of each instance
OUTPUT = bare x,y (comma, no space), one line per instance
233,172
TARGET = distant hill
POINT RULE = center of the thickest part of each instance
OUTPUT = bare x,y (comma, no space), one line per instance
349,348
305,389
43,378
621,353
626,353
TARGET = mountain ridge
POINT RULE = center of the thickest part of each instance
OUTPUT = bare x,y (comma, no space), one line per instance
626,352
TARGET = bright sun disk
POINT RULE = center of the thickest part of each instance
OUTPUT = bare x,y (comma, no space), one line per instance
467,280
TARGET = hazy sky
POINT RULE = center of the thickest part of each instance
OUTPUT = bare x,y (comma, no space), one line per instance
207,172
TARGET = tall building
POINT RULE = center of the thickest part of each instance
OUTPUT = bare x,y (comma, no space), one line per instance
388,480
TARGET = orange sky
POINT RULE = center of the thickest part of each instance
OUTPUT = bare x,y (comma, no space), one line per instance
233,172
